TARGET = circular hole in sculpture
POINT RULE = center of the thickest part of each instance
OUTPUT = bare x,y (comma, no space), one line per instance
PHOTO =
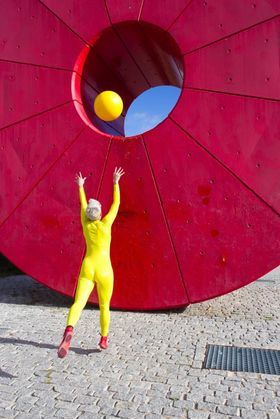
139,61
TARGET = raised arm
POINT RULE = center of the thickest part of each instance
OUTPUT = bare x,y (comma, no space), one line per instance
111,215
83,200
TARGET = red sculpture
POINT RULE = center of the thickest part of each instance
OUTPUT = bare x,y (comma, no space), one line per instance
199,213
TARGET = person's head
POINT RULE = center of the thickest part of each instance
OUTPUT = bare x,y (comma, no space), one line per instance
93,210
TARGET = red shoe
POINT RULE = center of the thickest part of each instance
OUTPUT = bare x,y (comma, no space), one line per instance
65,343
103,342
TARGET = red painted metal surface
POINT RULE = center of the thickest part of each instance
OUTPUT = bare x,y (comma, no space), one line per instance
163,13
216,223
199,212
26,91
28,151
244,135
86,18
125,10
29,33
242,64
220,19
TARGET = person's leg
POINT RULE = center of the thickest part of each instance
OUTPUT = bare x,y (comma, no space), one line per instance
83,291
104,285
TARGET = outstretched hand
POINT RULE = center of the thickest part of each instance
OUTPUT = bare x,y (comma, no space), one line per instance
117,174
80,179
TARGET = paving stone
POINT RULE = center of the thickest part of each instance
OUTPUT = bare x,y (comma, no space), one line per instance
67,414
129,414
274,415
92,409
197,414
228,410
6,413
266,407
66,405
184,404
174,411
251,414
145,408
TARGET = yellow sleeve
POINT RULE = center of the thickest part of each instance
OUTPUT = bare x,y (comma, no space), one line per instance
83,201
110,217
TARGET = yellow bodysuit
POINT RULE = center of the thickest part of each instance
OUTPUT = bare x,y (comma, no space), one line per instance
96,266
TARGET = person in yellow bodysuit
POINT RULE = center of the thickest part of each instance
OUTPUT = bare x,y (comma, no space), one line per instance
96,267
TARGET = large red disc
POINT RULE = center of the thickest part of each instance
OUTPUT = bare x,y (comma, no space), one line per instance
200,200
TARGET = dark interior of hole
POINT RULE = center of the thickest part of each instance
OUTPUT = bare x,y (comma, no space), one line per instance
129,58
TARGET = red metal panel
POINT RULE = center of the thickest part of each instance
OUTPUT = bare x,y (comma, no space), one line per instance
228,66
204,22
85,17
43,237
162,12
214,220
29,149
124,9
28,90
146,270
241,132
30,33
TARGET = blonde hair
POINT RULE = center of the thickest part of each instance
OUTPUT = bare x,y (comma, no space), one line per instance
93,210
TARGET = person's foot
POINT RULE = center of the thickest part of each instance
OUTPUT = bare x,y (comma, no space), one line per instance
103,342
65,343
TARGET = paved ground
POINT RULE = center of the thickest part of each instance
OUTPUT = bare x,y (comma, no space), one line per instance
153,366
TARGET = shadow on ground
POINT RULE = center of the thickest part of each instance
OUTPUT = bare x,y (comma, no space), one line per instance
13,341
21,289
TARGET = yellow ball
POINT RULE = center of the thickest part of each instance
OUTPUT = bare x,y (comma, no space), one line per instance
108,105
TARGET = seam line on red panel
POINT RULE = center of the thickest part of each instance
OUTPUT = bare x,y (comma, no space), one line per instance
231,93
104,167
165,219
224,166
36,114
140,10
107,11
35,65
41,177
47,67
230,35
64,23
139,14
43,66
179,15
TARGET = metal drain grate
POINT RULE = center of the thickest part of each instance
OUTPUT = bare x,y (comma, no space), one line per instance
233,358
